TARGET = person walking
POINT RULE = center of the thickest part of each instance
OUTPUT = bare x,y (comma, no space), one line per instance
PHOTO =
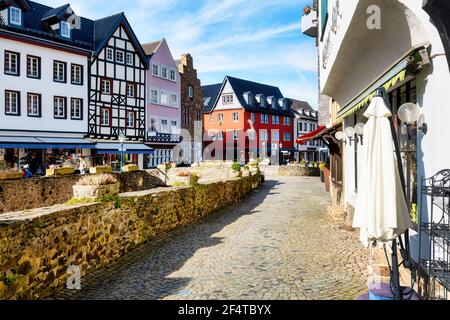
83,166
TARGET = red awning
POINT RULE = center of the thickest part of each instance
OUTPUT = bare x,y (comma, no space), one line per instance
312,135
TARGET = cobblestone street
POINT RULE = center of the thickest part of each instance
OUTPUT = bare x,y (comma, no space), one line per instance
277,244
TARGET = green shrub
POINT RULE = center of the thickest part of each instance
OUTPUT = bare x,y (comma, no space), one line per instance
236,167
194,180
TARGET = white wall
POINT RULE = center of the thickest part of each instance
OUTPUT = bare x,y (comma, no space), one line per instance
227,89
44,86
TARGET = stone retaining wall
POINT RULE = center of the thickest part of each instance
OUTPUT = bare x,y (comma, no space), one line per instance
291,170
26,194
37,247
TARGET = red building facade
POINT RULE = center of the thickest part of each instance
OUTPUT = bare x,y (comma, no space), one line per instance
248,120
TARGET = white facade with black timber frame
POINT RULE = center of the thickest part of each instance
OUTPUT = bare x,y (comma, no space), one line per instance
117,90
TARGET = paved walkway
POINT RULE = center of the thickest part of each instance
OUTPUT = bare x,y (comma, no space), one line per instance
277,244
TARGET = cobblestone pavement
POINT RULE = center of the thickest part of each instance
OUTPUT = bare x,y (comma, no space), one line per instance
277,244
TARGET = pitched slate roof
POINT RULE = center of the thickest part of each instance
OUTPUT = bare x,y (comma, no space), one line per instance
241,87
56,12
211,92
92,35
298,106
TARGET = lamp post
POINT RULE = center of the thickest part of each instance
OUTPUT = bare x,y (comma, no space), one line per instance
122,138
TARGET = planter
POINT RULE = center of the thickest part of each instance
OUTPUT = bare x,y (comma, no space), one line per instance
10,175
100,170
130,168
60,172
95,192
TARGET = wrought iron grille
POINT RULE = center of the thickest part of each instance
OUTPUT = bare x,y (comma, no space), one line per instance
434,252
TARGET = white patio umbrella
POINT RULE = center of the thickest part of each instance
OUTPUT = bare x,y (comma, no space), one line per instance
381,211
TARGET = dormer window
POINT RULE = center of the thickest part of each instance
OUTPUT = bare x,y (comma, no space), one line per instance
285,104
15,16
65,29
263,101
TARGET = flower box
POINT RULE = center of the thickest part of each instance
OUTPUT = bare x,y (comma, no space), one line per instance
100,170
95,192
60,172
10,175
130,168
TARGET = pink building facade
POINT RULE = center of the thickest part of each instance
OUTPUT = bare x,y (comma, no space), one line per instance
163,112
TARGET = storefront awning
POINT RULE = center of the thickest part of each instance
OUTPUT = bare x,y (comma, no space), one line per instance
389,80
312,135
129,148
8,142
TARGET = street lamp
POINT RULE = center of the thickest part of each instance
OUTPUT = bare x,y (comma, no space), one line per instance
359,129
122,138
410,114
350,133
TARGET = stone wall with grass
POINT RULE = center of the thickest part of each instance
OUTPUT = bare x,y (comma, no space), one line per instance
290,170
38,247
26,194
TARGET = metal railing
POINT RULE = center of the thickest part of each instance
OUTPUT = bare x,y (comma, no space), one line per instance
153,136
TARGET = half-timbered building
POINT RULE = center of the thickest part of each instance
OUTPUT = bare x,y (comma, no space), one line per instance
69,84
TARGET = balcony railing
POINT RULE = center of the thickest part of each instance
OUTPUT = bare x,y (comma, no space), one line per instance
310,24
156,137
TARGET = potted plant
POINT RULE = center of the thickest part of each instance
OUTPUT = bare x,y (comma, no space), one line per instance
96,187
303,163
307,10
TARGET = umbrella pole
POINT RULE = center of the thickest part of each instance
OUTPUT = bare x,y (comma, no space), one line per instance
395,276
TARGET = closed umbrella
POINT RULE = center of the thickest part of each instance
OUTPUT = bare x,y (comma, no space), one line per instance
381,213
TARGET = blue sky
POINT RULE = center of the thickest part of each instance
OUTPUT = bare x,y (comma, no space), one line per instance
258,40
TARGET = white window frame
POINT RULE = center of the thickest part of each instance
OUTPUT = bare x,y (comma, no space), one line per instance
33,104
10,109
131,90
105,121
152,91
191,93
164,98
227,99
128,118
253,118
65,30
158,66
60,71
164,125
275,135
235,116
76,74
174,126
118,53
19,12
162,72
102,87
174,102
109,54
76,109
173,72
263,135
220,136
59,107
287,136
220,117
33,66
12,60
130,59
